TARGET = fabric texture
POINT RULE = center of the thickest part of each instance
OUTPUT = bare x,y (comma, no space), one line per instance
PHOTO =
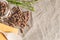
46,21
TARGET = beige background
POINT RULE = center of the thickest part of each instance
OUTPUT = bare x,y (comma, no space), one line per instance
46,21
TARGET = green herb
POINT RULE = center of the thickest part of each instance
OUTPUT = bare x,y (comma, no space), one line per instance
25,4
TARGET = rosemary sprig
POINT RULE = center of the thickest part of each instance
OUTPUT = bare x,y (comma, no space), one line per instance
25,4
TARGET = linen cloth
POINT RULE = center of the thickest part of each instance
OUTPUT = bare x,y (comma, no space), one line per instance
46,21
